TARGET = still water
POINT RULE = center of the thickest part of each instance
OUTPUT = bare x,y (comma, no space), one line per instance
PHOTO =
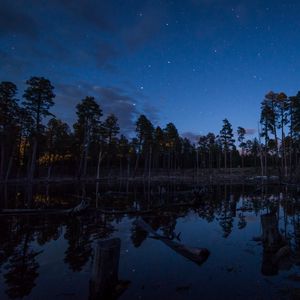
52,256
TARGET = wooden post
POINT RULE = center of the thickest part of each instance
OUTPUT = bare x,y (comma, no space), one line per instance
105,269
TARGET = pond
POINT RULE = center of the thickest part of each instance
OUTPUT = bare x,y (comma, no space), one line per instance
251,232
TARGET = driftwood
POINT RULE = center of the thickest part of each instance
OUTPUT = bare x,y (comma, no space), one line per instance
197,255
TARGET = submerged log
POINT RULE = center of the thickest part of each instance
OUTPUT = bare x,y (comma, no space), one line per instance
81,207
197,255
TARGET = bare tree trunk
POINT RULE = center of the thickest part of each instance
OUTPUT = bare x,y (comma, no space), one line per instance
99,163
10,162
2,160
86,152
33,160
150,157
128,167
49,166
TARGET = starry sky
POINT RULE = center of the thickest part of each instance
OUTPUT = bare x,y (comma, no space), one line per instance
191,62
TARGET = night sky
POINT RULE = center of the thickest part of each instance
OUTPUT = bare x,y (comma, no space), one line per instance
191,62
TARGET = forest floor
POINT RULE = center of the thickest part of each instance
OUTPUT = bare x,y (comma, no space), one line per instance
203,176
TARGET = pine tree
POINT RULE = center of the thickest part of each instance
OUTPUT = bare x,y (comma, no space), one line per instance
241,138
38,99
86,129
8,123
227,140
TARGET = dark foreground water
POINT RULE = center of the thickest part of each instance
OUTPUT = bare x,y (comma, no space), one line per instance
46,256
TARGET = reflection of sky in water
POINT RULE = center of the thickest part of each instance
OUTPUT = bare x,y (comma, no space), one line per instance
233,269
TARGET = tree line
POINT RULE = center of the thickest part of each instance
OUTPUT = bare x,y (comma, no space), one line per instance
35,143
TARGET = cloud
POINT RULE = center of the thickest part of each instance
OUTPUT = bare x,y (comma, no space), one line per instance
250,131
98,13
104,54
145,29
193,137
14,21
112,99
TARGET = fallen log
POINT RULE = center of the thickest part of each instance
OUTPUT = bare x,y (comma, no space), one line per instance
78,209
195,254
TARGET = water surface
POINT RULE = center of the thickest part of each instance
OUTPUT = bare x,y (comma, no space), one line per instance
45,256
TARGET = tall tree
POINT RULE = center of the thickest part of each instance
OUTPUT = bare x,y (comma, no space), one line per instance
172,141
38,99
294,115
268,120
145,131
58,141
241,138
282,109
8,122
86,129
227,140
112,129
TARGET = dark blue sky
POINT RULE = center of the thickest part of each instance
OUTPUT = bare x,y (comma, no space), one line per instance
191,62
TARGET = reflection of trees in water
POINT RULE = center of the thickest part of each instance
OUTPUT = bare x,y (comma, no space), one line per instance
79,244
226,205
17,253
18,258
80,233
22,269
138,235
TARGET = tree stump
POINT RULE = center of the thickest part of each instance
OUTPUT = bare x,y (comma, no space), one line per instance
104,277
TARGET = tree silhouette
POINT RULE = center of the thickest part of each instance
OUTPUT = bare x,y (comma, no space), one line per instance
227,140
241,138
38,99
86,129
8,123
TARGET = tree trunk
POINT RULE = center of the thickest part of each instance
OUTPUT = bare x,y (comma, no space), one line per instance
33,160
150,157
104,280
2,162
99,163
10,162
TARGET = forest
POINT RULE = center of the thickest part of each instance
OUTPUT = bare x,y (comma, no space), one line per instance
36,144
